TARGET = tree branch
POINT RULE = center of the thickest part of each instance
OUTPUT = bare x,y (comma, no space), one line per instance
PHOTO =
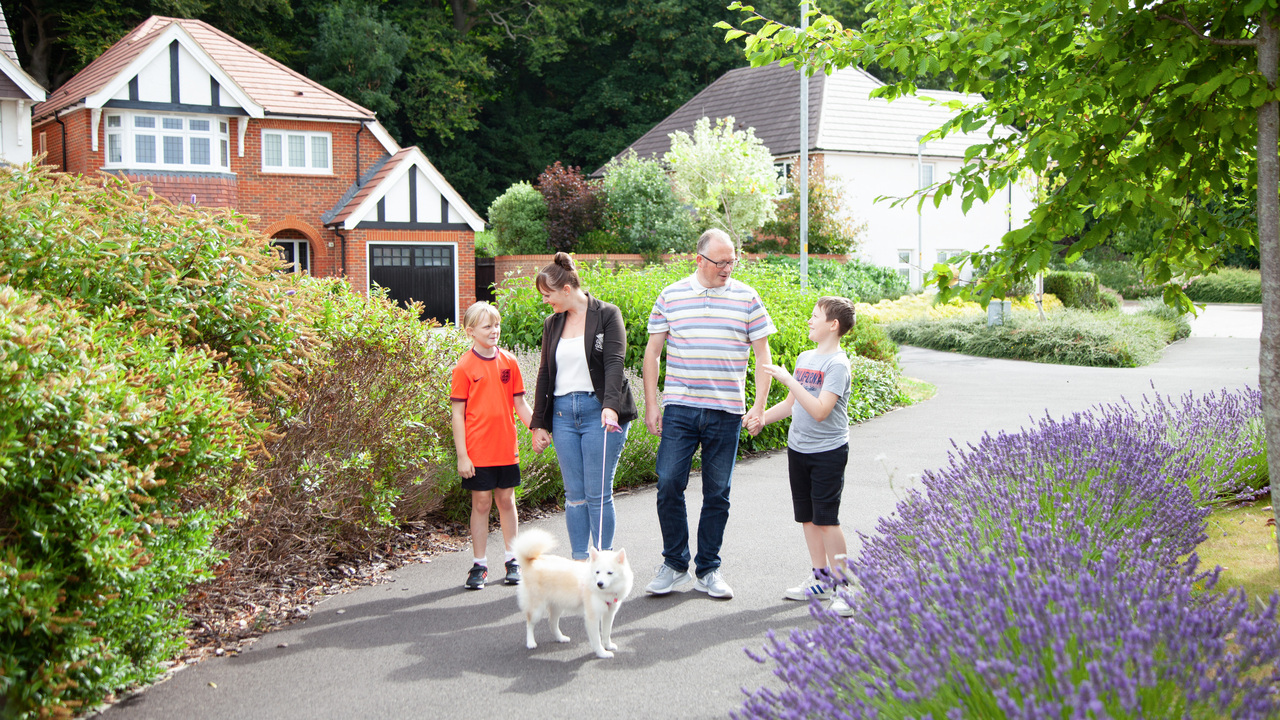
1184,22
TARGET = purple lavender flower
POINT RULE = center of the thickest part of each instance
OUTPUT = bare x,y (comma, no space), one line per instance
1039,575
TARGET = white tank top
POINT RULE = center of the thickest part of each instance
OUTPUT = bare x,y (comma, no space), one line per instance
571,366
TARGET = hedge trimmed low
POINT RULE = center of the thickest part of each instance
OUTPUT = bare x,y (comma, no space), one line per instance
1079,290
1068,337
1228,285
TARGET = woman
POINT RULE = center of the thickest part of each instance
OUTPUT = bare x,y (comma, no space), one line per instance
583,399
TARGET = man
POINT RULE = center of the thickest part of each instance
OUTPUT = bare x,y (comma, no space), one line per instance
708,323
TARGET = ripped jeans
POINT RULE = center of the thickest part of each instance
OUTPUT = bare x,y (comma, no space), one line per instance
584,450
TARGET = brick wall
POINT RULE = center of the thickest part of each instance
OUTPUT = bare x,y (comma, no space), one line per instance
527,266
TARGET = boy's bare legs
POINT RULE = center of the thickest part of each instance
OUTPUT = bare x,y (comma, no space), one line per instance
825,542
481,505
506,498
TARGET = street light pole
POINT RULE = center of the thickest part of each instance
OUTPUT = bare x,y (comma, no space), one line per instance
804,161
920,209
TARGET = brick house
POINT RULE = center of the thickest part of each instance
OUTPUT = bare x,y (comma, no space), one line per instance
205,119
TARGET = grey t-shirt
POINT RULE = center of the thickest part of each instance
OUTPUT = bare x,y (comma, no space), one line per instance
817,373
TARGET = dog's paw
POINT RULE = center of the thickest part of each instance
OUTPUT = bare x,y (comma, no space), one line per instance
531,645
604,654
562,638
611,646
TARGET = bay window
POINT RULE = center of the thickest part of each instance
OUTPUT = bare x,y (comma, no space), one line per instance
167,142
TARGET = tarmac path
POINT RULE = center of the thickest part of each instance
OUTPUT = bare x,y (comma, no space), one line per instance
422,647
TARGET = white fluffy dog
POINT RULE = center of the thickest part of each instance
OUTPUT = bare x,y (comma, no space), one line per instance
554,586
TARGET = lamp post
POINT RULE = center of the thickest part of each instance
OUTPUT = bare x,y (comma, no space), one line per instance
920,209
804,161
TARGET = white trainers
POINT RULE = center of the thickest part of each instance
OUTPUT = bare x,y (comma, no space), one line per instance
810,587
840,603
714,585
666,580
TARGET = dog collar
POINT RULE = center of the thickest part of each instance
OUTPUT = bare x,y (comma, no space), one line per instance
611,603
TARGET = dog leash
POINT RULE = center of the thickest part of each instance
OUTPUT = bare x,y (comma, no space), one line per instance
609,427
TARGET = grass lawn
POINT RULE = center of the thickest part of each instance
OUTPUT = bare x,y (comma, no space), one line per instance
917,390
1245,547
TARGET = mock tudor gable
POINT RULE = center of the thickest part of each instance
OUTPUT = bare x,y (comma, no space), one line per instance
406,193
19,92
202,118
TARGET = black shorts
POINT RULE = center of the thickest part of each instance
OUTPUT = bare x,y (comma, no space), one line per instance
494,476
817,480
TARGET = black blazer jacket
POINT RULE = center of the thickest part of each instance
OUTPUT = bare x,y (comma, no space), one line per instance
606,344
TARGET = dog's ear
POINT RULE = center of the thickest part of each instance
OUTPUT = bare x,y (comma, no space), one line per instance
622,555
591,551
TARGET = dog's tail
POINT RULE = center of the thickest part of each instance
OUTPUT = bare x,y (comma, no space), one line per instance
530,544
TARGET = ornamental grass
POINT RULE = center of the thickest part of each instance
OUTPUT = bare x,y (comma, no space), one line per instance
1051,573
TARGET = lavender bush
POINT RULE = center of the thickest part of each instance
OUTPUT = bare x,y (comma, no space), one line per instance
1039,575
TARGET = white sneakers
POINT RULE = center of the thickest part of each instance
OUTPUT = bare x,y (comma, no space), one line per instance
666,579
714,585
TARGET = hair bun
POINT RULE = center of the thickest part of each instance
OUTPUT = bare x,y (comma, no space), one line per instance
563,260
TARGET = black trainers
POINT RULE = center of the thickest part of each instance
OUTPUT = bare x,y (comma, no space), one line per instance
476,578
513,573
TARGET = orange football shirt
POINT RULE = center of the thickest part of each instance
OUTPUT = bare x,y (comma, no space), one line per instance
489,387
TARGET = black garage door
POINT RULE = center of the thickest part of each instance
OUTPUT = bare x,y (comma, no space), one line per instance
416,272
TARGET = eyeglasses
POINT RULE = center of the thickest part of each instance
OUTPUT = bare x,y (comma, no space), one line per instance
721,264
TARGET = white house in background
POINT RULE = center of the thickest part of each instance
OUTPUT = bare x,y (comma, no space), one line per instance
871,145
18,94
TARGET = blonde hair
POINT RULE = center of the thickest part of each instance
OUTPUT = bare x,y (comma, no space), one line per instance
559,273
479,311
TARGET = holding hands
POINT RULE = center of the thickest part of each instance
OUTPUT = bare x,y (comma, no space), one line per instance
541,440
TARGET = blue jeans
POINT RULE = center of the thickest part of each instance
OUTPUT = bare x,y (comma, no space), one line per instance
584,450
684,428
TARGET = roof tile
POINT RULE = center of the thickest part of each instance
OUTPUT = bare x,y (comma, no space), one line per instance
279,90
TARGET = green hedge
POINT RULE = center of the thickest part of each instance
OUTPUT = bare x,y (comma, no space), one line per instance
1079,290
634,292
1068,337
142,342
1228,285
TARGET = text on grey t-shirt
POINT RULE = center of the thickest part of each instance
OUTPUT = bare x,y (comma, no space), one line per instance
816,373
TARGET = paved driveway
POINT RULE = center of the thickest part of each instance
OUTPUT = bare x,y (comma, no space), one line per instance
421,647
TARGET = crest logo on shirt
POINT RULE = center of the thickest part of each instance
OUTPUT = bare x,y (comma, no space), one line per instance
505,374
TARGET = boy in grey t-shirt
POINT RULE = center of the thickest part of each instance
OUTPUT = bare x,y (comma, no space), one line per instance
818,446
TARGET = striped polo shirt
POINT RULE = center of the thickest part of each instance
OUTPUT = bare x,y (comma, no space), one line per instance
709,336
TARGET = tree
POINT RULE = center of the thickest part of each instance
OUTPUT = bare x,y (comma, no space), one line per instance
519,218
357,54
641,209
727,176
831,230
572,207
1158,108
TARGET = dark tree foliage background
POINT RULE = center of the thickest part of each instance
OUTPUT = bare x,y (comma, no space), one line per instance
494,91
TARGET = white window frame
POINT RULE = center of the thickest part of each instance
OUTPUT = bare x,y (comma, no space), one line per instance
124,135
907,268
309,139
928,172
301,251
783,168
946,256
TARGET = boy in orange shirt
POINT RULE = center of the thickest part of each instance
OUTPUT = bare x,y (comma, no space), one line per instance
487,388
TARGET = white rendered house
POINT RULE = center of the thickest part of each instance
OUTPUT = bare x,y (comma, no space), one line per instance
872,145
